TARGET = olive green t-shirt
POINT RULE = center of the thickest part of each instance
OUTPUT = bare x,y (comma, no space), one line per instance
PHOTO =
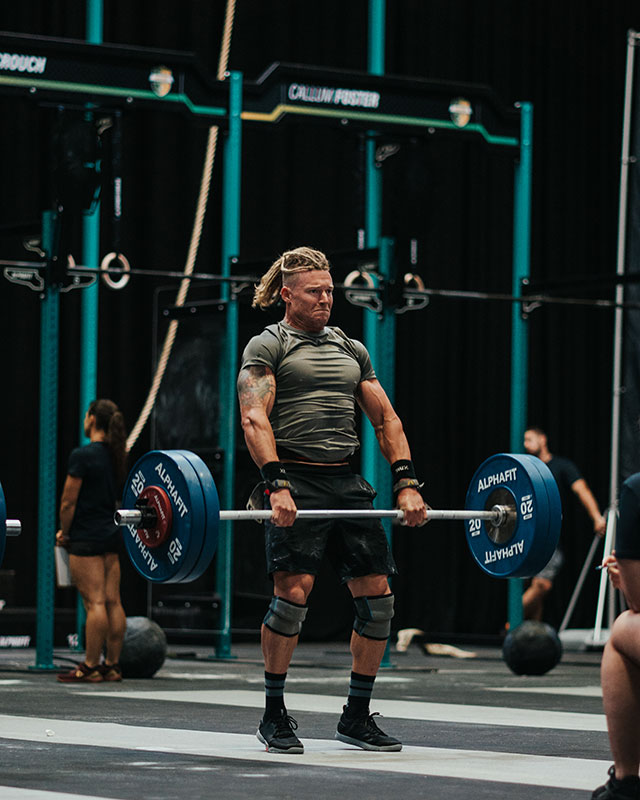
317,375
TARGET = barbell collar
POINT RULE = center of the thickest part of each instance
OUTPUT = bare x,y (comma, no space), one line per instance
128,516
14,527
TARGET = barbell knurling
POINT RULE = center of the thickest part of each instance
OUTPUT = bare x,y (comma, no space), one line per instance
497,515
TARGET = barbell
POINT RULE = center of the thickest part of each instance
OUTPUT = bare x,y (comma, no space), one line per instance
8,527
171,514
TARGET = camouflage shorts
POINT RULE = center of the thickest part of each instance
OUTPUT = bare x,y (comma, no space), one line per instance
354,547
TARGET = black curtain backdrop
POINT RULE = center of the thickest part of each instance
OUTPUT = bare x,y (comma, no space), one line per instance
303,184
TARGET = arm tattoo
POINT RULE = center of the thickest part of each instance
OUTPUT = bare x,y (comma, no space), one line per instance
256,387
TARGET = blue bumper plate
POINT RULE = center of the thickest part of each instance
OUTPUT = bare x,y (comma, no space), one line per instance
212,515
523,547
174,560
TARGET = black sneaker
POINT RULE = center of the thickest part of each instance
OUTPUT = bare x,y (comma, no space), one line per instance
614,789
278,735
364,733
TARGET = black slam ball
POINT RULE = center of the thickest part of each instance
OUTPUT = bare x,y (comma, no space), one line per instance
532,648
144,649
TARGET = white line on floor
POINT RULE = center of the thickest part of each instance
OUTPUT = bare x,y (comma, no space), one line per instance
565,773
17,793
400,709
572,691
339,679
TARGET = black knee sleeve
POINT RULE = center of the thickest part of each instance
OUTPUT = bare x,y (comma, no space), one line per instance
284,617
373,616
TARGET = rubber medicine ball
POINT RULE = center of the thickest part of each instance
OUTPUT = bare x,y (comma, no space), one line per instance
532,648
144,649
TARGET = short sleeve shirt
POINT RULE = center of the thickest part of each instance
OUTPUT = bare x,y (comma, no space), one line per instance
317,376
566,474
96,504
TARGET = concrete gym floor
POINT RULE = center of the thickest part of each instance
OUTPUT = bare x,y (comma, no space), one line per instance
470,728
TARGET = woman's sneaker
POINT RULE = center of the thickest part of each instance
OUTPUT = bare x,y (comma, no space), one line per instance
614,789
81,674
363,732
277,734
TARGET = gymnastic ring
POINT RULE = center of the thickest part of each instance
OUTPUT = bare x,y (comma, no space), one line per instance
362,278
105,265
413,281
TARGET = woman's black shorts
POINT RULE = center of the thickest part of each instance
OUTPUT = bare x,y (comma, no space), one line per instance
96,547
354,547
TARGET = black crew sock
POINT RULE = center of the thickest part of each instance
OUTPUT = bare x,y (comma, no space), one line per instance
274,694
360,689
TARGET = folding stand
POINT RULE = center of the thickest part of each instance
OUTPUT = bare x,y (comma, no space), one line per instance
597,637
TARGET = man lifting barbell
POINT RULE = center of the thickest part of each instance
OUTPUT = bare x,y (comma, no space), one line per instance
301,438
298,387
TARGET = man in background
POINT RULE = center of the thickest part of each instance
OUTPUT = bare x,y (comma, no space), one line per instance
569,479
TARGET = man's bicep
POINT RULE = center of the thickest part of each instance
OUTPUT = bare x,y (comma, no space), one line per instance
256,388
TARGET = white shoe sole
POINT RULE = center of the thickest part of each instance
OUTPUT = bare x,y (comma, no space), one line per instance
297,748
387,748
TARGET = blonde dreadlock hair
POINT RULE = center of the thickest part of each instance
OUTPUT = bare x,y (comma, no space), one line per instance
302,259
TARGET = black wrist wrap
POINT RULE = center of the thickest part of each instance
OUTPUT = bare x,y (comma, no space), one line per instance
275,476
273,471
403,476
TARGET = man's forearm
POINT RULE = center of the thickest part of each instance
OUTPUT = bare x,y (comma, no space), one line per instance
392,440
260,440
588,501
